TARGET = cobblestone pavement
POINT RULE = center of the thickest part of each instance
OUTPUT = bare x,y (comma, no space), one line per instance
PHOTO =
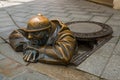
102,65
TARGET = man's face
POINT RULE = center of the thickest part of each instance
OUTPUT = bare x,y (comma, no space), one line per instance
37,35
38,38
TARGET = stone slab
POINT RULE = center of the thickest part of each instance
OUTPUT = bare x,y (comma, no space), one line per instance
22,24
32,75
98,60
18,18
10,53
62,72
113,22
94,64
2,57
20,0
106,50
5,31
10,68
1,77
112,70
81,16
101,19
116,17
101,14
114,39
117,49
116,31
1,41
80,19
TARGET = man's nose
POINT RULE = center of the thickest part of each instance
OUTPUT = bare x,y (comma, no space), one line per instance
30,36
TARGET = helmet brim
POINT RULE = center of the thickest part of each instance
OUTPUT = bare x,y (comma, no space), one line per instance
36,30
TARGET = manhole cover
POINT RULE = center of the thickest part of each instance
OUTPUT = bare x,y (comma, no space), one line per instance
90,36
89,30
85,27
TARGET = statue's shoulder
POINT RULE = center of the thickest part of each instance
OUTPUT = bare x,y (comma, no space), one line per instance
60,23
57,22
63,27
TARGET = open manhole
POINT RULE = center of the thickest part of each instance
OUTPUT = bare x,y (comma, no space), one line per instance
90,36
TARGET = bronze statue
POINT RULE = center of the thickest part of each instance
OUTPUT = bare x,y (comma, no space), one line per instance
44,41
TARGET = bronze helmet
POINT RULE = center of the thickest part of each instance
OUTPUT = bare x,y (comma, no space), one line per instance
38,23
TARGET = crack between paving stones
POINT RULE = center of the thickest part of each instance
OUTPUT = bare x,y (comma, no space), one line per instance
109,18
10,15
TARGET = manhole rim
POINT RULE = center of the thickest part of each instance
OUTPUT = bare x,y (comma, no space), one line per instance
106,30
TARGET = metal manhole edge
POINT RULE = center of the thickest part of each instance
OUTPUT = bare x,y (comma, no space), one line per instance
98,34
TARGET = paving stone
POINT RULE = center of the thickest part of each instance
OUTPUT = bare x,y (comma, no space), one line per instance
8,23
18,19
5,31
94,64
106,50
94,10
59,14
3,15
20,0
1,77
10,53
82,16
116,17
22,24
114,39
58,11
112,70
10,68
20,14
100,19
2,57
32,75
61,72
18,11
80,19
78,12
113,22
117,50
101,14
1,41
116,31
7,4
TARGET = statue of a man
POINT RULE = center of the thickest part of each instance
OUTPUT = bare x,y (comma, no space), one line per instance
44,41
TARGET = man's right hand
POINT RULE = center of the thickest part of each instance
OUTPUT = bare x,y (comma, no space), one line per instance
31,55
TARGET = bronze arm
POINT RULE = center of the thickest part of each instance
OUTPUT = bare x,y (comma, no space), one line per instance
61,52
17,40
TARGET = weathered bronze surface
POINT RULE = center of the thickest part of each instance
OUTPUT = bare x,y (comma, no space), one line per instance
44,41
51,41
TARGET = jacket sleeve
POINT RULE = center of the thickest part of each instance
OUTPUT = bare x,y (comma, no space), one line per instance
16,40
62,51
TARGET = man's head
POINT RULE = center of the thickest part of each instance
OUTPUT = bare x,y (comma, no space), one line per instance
38,27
